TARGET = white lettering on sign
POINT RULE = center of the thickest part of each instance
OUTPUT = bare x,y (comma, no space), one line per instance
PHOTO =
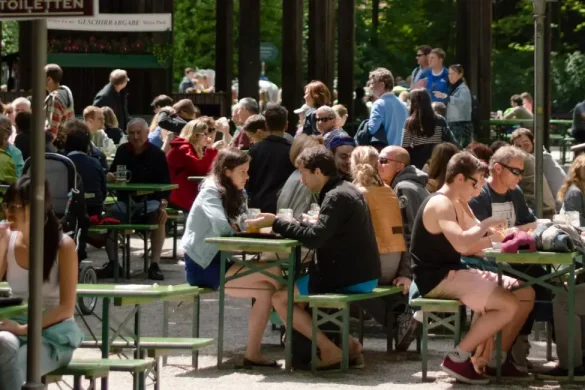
16,8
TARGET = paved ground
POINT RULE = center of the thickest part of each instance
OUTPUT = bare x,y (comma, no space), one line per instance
395,370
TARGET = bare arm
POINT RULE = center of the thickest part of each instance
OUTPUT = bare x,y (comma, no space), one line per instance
528,226
462,240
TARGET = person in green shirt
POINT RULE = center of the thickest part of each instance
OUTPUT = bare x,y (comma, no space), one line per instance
7,166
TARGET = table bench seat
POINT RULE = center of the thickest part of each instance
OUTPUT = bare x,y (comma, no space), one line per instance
124,227
453,322
165,343
341,317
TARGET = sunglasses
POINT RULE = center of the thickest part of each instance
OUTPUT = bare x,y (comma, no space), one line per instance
323,119
515,171
475,181
384,160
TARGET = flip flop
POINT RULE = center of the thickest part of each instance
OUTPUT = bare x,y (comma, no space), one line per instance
247,363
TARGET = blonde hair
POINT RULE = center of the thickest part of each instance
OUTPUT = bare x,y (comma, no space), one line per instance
90,111
573,178
364,166
193,130
110,119
340,110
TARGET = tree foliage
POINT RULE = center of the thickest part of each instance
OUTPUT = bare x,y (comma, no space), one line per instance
404,25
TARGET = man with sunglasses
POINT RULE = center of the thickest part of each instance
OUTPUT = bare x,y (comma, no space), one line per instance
422,59
501,197
325,117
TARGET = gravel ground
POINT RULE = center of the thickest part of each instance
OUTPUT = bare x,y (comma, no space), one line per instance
395,370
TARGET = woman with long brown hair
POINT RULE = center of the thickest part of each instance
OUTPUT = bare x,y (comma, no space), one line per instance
573,188
316,95
216,212
423,129
442,153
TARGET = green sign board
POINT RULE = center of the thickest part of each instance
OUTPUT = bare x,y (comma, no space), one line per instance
268,52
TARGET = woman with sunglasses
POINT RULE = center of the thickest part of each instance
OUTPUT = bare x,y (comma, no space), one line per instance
61,336
191,154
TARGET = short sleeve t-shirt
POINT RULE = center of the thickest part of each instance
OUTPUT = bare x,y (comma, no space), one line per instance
437,82
510,206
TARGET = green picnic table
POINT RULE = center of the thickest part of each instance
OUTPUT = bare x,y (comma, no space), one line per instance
134,295
138,189
292,251
563,264
9,312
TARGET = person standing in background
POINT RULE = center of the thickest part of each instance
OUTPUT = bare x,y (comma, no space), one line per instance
115,96
422,59
58,103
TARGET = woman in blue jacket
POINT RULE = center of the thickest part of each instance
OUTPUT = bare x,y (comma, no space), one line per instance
217,210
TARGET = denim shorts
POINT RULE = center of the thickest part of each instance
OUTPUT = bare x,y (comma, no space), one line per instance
361,288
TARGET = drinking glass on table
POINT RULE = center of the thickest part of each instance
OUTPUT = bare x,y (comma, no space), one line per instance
314,210
252,214
561,219
123,175
573,218
286,214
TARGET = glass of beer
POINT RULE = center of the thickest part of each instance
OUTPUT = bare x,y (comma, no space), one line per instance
253,214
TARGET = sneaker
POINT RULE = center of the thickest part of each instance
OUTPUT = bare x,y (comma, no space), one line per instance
562,373
463,372
509,371
407,331
107,271
154,272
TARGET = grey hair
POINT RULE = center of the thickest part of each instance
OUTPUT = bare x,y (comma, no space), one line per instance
21,100
326,109
137,122
235,108
250,104
505,154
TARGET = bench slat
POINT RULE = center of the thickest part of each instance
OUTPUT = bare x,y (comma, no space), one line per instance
154,343
340,300
437,305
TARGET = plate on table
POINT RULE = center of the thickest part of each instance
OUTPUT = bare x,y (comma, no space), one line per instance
264,236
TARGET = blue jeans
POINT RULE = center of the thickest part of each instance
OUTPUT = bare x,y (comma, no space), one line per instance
13,361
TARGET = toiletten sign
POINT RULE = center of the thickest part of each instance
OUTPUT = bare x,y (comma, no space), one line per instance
32,9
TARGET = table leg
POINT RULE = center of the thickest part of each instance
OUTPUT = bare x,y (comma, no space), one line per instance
105,335
116,246
222,270
571,346
499,337
137,354
293,258
345,340
145,239
165,325
196,308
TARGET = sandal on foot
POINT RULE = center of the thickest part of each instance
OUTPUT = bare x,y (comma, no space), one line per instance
251,364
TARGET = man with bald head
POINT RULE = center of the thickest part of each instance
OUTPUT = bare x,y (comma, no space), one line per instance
147,165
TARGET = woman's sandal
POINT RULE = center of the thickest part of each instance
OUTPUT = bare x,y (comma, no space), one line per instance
247,363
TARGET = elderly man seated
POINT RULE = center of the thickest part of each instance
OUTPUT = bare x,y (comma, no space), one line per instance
147,164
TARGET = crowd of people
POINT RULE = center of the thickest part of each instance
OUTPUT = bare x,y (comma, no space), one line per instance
410,201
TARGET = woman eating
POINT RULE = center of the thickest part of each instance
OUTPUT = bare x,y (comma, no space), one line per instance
216,212
61,335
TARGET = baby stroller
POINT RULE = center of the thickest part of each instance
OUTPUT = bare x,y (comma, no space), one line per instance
69,206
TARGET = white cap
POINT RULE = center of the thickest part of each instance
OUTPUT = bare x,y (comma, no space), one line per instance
304,108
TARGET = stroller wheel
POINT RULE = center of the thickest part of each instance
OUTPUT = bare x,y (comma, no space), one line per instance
87,275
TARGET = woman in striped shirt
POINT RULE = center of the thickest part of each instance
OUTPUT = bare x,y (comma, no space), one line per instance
423,129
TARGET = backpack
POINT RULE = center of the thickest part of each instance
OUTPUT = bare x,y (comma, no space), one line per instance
363,136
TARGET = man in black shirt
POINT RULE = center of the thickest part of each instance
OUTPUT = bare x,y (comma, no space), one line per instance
347,259
147,164
270,166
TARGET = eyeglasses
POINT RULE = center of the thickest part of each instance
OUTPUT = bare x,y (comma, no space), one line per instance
515,171
385,160
475,181
420,55
323,119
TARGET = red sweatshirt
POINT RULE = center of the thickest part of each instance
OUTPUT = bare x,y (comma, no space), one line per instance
183,162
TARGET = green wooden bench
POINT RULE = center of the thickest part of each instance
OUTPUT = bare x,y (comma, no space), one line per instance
101,367
154,347
340,317
125,230
429,307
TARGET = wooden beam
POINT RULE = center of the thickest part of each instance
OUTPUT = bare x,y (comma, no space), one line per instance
345,59
322,41
224,49
25,47
462,33
292,59
547,73
484,66
249,49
